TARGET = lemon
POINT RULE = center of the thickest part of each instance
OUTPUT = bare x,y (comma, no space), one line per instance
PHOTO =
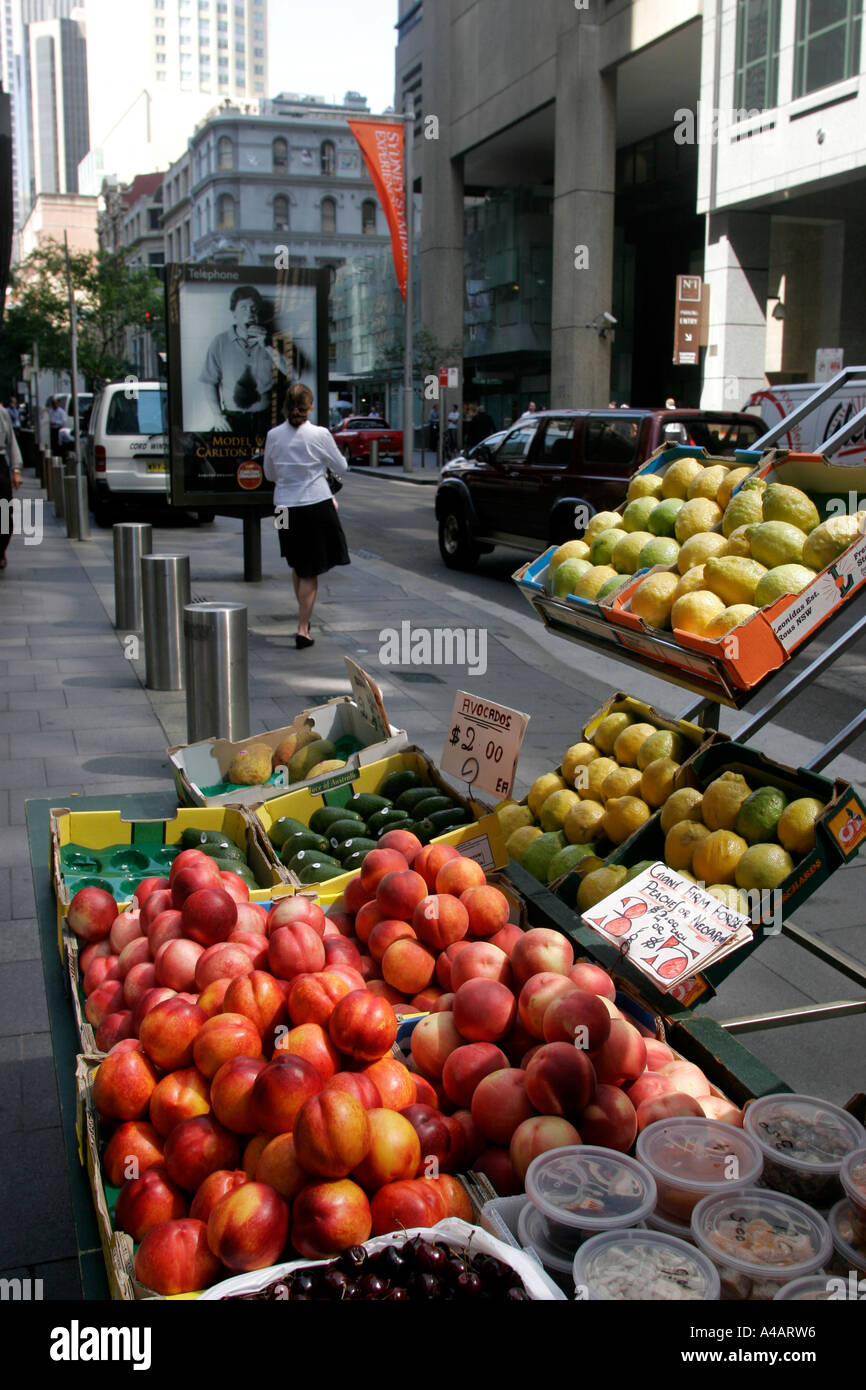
759,814
602,521
698,548
716,858
519,841
589,584
625,556
565,860
625,750
623,781
700,514
708,481
691,582
657,781
682,805
567,575
543,787
595,775
732,897
605,544
729,618
738,542
570,550
537,856
790,504
555,809
584,822
730,483
777,543
662,519
723,799
634,517
623,816
653,599
743,510
784,579
827,542
645,485
661,550
733,578
662,743
678,477
578,755
764,866
694,612
796,825
608,730
512,817
681,842
599,884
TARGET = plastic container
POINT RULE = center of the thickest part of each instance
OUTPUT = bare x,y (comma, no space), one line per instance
691,1158
850,1249
804,1141
853,1179
760,1240
658,1221
533,1235
812,1288
582,1190
646,1265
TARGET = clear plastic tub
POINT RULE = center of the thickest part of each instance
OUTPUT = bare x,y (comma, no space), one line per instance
691,1158
643,1265
804,1141
853,1178
658,1221
582,1190
533,1235
760,1240
850,1250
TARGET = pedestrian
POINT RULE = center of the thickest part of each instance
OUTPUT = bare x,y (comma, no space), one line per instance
480,426
531,409
298,458
451,440
433,426
670,403
10,477
56,422
14,413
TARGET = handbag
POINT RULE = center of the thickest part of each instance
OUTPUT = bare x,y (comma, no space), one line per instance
334,483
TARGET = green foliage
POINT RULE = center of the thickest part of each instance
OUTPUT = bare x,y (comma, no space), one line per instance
428,355
110,295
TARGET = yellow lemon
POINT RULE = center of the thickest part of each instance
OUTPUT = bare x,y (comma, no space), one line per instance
596,772
734,578
578,755
602,521
729,483
692,581
570,550
599,884
708,481
606,733
626,554
700,514
663,743
657,781
738,543
589,584
623,781
684,873
777,543
764,866
519,840
682,805
698,548
728,618
784,579
679,476
743,509
715,859
512,817
555,809
791,505
732,897
623,816
605,543
543,787
723,799
625,750
644,485
796,825
681,842
826,543
584,822
694,612
653,599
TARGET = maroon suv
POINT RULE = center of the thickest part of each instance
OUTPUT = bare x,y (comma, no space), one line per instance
523,491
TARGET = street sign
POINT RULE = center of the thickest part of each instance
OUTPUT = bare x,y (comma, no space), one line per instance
483,744
449,378
828,361
687,321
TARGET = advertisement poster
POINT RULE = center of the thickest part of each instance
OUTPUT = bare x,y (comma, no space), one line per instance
238,336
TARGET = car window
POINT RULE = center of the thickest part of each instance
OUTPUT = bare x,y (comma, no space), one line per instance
143,413
364,423
515,445
612,439
723,436
557,444
491,443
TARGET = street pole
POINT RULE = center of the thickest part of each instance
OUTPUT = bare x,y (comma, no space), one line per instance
440,446
73,349
408,394
37,423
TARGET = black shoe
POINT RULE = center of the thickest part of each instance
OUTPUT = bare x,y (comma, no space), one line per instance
301,642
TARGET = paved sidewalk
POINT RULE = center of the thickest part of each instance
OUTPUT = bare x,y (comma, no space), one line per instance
425,470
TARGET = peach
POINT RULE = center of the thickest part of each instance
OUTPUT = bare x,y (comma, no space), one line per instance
481,960
114,1028
434,1136
473,1139
408,966
342,950
410,1202
456,1197
538,1135
147,1001
197,1147
124,1084
507,938
278,1166
366,918
376,865
253,917
215,1186
594,978
622,1057
254,943
612,1010
253,1152
496,1165
296,949
354,979
403,841
384,933
93,952
399,892
666,1107
431,859
577,1017
484,1010
209,915
434,1038
166,926
488,909
466,1065
136,952
560,1080
328,1217
537,994
92,913
362,1025
717,1108
516,1043
289,910
458,875
192,879
105,999
343,921
355,895
134,1147
259,998
231,1093
158,901
125,928
439,919
445,964
225,960
357,1084
248,1227
280,1090
234,885
223,1036
425,1000
212,996
658,1054
649,1085
426,1093
609,1120
148,886
167,1033
175,964
138,981
688,1078
541,949
188,859
309,1040
332,1134
179,1096
393,1081
175,1258
500,1103
144,1202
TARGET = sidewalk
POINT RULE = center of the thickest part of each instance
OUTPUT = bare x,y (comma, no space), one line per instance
425,470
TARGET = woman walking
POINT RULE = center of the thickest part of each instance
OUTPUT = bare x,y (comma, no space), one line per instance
298,458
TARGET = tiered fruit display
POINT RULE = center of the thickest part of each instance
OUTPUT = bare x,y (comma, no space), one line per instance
337,837
607,787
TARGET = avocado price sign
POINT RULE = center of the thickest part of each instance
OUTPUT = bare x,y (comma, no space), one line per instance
483,744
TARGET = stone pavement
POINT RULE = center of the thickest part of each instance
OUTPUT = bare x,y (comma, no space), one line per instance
75,718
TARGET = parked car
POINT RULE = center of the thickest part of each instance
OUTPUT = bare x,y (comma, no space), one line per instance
126,448
355,435
809,434
524,490
85,401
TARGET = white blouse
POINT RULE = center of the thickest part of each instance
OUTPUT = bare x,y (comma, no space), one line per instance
296,461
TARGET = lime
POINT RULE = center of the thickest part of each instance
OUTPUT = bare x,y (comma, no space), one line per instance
565,860
662,519
661,550
567,575
537,857
759,814
605,544
634,518
611,586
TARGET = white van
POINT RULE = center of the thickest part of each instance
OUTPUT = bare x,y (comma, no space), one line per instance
126,448
809,434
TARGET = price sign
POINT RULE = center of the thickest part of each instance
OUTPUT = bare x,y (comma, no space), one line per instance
483,744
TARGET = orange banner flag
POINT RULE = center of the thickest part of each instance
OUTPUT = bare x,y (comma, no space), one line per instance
382,147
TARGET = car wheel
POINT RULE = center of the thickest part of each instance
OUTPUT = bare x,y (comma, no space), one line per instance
103,512
455,543
205,516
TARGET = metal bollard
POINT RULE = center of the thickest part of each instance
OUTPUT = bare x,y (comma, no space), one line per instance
44,469
165,592
132,539
76,508
216,670
83,507
374,453
57,493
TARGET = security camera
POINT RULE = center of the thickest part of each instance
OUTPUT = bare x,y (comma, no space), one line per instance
609,319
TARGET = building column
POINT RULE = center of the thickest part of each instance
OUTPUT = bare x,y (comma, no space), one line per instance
737,266
442,276
583,219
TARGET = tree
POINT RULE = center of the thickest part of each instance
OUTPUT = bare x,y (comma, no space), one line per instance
111,296
428,355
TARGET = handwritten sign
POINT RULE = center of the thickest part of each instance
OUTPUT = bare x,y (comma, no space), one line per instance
483,744
669,928
368,698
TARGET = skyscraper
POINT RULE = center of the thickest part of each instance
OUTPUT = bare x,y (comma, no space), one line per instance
56,60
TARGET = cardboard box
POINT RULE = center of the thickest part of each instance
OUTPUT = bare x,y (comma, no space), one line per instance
200,769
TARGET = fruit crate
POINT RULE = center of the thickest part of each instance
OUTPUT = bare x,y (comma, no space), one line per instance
736,664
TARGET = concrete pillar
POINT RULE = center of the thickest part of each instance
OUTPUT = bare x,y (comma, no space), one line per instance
583,218
442,183
737,272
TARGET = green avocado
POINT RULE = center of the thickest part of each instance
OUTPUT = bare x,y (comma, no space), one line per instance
448,820
424,829
320,872
344,829
423,809
367,804
377,822
357,844
305,857
408,800
302,839
396,783
283,828
227,851
198,839
325,816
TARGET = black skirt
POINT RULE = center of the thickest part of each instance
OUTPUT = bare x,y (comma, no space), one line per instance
311,538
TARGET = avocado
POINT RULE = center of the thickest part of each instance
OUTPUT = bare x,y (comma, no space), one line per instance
354,861
424,829
302,839
283,828
325,816
424,808
449,819
358,843
305,857
198,839
396,783
344,829
320,873
377,822
408,800
367,803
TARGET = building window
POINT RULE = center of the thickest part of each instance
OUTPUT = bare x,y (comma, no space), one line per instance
159,40
329,216
258,53
828,43
161,77
327,157
281,155
225,213
368,217
160,58
281,213
260,72
225,153
154,219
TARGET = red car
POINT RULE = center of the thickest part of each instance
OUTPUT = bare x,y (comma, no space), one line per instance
356,433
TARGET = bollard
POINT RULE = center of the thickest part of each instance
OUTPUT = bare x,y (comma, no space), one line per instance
44,469
132,539
58,495
165,592
216,671
70,507
374,453
82,508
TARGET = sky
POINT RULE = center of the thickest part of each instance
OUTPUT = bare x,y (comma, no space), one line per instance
329,47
